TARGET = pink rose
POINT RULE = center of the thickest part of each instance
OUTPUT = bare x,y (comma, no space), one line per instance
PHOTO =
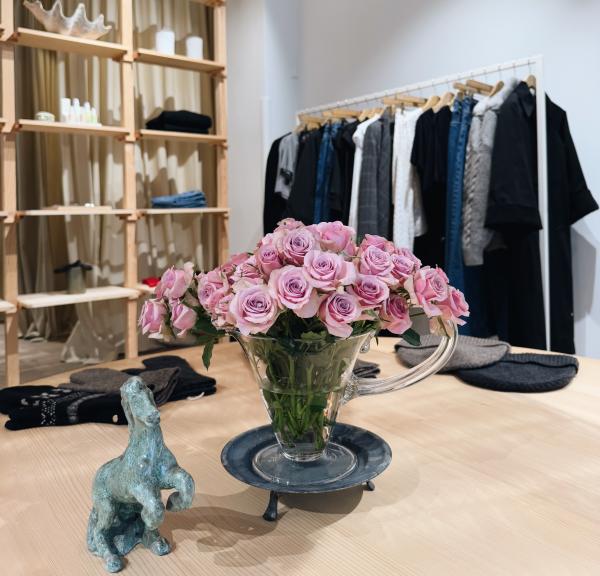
395,314
152,317
212,286
376,262
253,309
221,317
428,287
183,318
175,281
289,224
405,263
370,290
327,270
296,244
291,286
267,258
454,306
338,311
234,261
336,237
378,241
249,272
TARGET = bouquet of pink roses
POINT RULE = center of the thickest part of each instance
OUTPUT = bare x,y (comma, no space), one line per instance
304,280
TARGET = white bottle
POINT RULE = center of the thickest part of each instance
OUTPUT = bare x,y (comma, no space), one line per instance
94,117
76,111
65,109
87,113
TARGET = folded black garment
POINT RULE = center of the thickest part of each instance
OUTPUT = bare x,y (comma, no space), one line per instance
181,121
524,373
364,369
93,401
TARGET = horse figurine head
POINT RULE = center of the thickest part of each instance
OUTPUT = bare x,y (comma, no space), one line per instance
138,404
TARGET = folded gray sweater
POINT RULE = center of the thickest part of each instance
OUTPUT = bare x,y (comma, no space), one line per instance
470,352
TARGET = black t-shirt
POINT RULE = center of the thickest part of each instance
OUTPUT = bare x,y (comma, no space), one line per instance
513,210
274,203
341,176
430,158
302,196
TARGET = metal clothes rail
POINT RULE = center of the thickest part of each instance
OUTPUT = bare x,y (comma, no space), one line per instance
535,66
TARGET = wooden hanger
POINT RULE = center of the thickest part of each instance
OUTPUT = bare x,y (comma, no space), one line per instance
497,87
446,99
531,82
431,102
308,122
479,87
404,99
343,113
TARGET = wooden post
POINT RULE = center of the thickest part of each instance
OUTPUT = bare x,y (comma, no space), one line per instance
10,283
220,56
129,174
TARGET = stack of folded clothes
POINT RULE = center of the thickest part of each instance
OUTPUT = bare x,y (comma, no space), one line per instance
191,199
488,363
93,395
181,121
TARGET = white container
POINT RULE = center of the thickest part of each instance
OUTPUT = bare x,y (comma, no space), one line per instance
165,41
75,112
194,47
65,109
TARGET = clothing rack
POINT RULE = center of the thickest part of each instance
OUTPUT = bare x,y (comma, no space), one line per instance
535,66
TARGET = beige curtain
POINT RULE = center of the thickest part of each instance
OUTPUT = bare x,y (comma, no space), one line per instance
75,169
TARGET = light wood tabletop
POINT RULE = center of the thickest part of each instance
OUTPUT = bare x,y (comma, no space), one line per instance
481,483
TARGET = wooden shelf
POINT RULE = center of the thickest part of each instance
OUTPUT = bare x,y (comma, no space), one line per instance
49,299
176,61
144,288
211,3
146,134
151,211
77,211
64,128
7,307
62,43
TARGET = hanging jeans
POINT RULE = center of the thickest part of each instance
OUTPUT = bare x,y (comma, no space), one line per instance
324,169
457,146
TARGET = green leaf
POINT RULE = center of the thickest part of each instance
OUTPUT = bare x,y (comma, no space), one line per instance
412,337
207,353
313,336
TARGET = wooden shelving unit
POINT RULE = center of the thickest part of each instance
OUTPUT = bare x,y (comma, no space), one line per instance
64,128
60,43
48,299
127,56
151,211
146,56
211,139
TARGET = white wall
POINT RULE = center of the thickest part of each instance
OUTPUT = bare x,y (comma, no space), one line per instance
346,48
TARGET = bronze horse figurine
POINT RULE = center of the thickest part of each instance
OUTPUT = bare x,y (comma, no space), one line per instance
127,506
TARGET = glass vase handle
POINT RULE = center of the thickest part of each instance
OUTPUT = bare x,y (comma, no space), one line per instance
434,363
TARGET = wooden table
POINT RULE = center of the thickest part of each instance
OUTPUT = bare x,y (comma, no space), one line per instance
481,483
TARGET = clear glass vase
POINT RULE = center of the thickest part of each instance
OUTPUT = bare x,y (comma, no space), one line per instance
303,383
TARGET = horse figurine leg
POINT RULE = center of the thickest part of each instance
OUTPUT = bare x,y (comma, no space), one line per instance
179,479
101,519
153,513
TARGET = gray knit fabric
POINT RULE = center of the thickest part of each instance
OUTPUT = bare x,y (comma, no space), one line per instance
524,373
108,381
478,169
470,352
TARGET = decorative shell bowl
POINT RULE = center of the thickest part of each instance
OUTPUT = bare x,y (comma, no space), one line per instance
54,20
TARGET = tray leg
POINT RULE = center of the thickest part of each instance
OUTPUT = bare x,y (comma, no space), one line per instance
270,514
369,486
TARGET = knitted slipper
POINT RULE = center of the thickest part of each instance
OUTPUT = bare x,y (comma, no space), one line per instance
524,373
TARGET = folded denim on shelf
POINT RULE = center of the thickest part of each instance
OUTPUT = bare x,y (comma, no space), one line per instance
181,121
524,373
470,352
191,199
